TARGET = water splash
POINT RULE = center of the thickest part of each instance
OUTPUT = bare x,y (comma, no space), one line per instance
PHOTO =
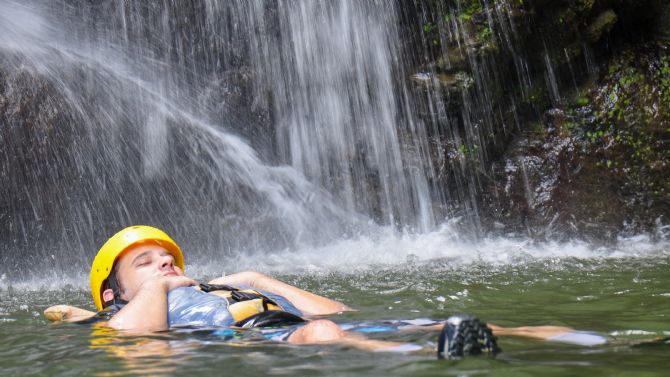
389,250
133,146
445,247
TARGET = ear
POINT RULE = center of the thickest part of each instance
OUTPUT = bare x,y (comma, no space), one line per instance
107,295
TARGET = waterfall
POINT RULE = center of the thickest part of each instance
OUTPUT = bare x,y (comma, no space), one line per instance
277,127
338,101
254,126
332,74
238,125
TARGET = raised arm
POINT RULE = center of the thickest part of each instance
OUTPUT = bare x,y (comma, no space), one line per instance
309,303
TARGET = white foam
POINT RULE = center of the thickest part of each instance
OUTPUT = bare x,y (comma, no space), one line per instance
389,248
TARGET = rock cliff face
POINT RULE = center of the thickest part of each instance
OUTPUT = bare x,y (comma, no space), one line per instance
557,110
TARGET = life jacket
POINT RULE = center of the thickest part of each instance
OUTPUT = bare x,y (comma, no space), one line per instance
254,308
229,306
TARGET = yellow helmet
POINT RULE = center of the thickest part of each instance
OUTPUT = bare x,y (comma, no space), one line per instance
118,243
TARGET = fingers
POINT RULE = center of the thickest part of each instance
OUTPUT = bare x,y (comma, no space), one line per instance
179,281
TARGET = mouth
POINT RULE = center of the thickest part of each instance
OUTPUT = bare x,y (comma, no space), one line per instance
170,273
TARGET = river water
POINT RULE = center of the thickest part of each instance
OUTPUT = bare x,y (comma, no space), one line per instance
621,292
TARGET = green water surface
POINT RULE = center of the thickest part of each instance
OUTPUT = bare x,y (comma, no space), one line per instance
626,299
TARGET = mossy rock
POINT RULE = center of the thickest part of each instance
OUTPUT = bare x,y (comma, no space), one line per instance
626,129
602,24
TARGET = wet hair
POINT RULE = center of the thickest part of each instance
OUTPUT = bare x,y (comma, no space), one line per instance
112,283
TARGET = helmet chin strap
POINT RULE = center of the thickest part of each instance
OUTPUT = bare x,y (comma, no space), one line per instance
118,300
117,297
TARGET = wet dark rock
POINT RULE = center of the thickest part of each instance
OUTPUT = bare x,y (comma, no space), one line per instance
547,188
33,141
596,170
513,139
630,130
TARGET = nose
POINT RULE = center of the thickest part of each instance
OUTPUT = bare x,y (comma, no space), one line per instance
167,262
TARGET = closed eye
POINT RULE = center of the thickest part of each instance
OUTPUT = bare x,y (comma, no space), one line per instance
143,260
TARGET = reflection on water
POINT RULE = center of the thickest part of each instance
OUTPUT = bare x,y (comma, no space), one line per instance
139,355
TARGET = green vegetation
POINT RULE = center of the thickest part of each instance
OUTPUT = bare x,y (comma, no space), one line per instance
469,9
428,27
469,13
629,129
468,152
582,101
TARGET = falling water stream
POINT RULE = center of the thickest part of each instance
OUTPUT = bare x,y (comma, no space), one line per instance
161,95
281,136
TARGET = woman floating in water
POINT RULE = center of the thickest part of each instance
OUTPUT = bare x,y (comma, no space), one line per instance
138,284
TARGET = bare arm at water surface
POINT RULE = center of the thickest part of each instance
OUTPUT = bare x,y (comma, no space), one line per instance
307,302
147,310
533,332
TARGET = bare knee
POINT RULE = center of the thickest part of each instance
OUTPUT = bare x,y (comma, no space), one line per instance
318,331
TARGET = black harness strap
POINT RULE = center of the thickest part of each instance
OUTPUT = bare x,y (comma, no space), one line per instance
270,318
217,287
237,295
104,315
